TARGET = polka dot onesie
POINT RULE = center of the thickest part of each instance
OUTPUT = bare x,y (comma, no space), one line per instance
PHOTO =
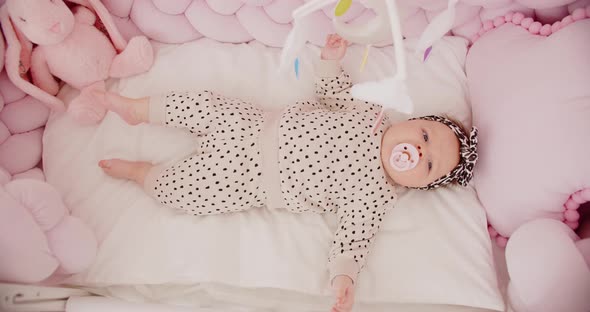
328,161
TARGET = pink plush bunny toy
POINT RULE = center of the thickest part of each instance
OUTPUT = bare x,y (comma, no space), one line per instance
71,48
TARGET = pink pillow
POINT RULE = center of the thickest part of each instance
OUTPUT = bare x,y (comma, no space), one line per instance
530,91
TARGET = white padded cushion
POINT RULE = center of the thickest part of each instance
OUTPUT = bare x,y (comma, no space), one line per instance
433,248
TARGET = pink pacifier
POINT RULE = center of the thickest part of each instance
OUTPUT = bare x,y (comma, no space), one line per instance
404,157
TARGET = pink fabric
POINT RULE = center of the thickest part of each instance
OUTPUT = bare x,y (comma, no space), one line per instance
68,46
13,115
8,90
33,174
21,120
36,234
548,268
27,146
534,27
269,21
34,239
509,90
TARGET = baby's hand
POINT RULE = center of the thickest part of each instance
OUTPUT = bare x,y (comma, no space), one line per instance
343,291
335,48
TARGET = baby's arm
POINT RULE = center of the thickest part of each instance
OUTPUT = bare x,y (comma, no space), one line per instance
351,245
332,85
353,239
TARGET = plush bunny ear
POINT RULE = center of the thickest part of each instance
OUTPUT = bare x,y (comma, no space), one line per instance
18,62
106,19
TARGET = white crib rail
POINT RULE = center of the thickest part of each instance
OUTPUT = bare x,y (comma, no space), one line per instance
28,298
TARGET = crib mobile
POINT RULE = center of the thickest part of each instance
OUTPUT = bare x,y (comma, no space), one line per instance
391,92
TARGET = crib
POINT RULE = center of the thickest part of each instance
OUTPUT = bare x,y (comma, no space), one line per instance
454,249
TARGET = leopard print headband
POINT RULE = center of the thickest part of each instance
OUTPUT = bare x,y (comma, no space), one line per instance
464,170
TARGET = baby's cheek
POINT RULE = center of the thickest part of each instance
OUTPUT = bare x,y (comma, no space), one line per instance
410,178
417,176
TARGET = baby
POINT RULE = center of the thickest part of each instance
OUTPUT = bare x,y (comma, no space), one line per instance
317,155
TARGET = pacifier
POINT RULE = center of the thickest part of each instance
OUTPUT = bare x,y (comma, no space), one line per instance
404,157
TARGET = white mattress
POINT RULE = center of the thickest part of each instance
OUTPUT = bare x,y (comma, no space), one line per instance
433,248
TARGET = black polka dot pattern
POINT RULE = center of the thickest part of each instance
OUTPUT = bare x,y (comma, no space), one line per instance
223,176
330,162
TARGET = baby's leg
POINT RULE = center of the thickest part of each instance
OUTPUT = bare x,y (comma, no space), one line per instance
129,170
221,181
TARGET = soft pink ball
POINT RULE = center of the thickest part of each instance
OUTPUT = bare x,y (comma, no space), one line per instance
526,22
571,205
572,224
545,30
508,17
579,198
567,20
578,14
556,27
517,18
535,27
572,215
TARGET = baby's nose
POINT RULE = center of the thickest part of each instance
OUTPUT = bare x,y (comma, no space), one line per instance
419,147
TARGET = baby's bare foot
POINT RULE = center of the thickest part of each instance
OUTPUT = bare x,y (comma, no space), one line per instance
123,169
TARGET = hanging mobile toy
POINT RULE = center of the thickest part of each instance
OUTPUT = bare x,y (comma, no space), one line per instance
439,26
342,7
297,37
296,68
391,92
365,56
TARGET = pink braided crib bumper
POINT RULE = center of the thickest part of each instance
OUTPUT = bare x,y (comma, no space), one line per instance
269,21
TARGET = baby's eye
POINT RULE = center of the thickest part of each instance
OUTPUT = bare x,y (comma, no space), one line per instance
429,165
425,136
22,19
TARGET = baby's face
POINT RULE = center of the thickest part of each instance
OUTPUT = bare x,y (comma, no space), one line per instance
431,146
